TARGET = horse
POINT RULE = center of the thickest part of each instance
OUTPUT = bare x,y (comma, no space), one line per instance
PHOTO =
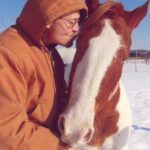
98,116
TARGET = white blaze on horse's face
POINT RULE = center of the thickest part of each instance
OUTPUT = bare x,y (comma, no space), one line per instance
76,123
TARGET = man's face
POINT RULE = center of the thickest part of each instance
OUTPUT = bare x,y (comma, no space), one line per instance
63,30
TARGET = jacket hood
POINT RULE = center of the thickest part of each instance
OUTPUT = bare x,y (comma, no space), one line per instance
36,14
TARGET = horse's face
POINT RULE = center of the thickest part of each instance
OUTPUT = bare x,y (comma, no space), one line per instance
101,48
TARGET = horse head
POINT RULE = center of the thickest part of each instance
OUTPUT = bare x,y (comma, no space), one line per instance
102,46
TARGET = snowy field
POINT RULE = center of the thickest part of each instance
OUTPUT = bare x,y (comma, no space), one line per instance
136,79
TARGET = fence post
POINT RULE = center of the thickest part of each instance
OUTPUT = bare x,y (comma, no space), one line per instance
135,66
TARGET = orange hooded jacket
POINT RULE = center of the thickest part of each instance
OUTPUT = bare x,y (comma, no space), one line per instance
31,78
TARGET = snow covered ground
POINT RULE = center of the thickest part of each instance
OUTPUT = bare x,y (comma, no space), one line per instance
136,79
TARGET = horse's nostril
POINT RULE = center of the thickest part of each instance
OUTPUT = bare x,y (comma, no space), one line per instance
67,146
61,122
89,135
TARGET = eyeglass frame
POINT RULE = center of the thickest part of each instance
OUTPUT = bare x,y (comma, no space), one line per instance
70,23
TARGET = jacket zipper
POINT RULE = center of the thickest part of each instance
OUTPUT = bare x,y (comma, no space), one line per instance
50,66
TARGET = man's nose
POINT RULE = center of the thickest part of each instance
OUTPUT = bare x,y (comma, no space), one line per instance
76,27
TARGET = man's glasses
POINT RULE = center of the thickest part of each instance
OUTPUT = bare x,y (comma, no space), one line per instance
71,23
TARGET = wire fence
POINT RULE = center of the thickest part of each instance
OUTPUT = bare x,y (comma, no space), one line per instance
137,65
137,127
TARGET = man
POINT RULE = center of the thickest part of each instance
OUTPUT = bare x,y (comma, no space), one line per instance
32,88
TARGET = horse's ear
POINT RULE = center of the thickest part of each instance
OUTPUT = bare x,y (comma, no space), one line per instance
92,5
133,18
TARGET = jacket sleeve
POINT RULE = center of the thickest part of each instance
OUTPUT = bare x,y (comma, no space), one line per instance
17,132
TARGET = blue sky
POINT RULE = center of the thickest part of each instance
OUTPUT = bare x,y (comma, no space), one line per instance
10,9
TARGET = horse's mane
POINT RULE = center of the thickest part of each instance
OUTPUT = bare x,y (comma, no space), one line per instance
100,11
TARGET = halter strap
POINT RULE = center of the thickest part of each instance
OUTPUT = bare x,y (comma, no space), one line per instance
98,13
